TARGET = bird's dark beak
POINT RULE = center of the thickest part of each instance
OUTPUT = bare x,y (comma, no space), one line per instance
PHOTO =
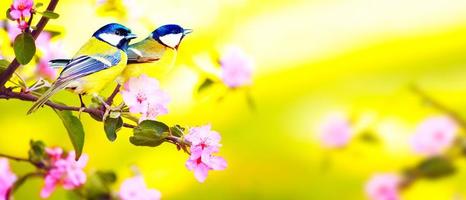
187,31
130,36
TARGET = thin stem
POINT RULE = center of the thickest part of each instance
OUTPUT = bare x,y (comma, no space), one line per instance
21,180
6,75
439,106
128,125
112,96
14,158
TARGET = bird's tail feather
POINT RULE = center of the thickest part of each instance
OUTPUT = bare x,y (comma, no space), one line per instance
57,86
59,63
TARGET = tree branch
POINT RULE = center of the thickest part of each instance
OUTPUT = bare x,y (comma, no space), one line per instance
6,75
7,93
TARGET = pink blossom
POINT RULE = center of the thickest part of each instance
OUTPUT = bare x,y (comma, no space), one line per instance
22,25
135,189
204,143
64,171
7,178
143,95
21,9
236,68
202,160
335,131
434,135
203,136
383,187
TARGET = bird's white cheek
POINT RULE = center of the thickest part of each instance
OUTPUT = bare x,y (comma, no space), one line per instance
111,38
171,40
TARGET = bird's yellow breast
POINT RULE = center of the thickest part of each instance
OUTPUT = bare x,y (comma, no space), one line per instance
152,49
154,69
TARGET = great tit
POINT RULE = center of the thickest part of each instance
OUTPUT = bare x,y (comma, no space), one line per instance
161,46
99,62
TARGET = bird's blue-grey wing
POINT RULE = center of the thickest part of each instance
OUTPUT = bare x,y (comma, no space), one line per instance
86,65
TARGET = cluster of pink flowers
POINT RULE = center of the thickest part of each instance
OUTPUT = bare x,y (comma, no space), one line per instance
143,95
204,143
20,10
135,189
64,171
7,179
335,131
236,68
383,187
434,135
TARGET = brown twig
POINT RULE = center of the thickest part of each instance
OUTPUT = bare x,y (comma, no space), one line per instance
128,125
112,96
14,158
6,75
439,106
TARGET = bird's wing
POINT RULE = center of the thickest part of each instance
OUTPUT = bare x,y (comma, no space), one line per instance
85,65
147,50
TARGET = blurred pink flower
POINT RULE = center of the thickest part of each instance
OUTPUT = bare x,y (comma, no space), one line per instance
204,143
13,31
45,71
236,68
434,135
135,189
203,136
7,178
54,153
335,131
383,187
50,50
65,171
143,95
21,9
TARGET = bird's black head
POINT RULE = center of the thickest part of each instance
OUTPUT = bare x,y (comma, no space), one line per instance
170,35
116,35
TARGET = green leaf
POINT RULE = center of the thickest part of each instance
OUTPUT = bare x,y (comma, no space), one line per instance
107,177
177,130
149,133
112,126
37,152
75,130
98,185
49,14
8,16
435,167
3,65
24,47
38,5
207,82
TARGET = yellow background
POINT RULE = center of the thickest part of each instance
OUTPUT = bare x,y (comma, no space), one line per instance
312,57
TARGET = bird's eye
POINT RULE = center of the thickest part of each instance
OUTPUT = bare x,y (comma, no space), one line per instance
117,32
